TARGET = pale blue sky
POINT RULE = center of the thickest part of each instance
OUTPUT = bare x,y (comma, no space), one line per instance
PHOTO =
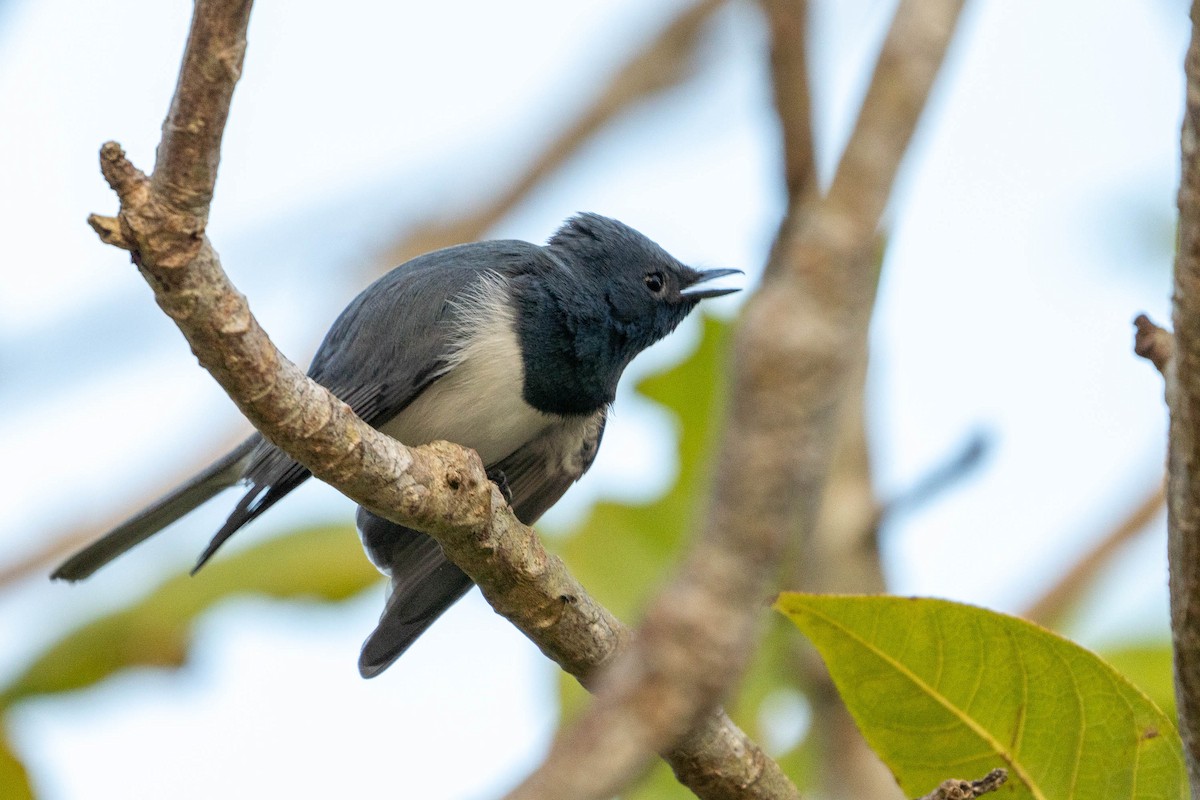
1032,222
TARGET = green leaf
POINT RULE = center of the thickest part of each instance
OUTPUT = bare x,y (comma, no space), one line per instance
1150,666
14,780
944,690
324,563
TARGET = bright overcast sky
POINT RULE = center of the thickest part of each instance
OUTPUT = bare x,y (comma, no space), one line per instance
1034,221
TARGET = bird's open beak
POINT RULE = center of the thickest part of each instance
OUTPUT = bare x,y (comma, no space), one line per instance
703,276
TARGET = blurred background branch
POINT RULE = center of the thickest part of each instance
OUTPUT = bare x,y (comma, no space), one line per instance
833,250
1056,604
800,345
787,23
666,61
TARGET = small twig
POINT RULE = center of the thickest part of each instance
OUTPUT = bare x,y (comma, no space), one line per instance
1153,343
665,61
968,790
1053,606
788,22
941,477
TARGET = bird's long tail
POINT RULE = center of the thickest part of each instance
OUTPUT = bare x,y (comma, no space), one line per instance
424,584
221,475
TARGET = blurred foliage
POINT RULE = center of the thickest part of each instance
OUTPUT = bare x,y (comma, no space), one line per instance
1149,665
646,539
933,683
623,552
14,780
320,563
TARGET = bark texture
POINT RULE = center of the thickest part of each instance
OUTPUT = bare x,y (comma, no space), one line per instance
1183,397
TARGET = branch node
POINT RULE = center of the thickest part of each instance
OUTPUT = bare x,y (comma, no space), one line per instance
1153,343
124,178
968,790
109,231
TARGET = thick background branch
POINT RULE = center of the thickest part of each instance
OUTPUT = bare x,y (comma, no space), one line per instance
1183,397
802,337
834,254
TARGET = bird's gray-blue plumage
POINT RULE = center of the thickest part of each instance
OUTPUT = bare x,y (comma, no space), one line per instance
509,348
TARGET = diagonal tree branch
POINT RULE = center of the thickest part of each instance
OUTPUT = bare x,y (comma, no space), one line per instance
667,60
1053,606
801,338
439,488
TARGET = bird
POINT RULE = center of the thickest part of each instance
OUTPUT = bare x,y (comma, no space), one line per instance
506,347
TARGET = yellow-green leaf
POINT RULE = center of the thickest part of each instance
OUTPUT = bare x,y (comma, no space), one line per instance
944,690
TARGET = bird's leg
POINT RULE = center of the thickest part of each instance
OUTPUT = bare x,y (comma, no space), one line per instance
497,476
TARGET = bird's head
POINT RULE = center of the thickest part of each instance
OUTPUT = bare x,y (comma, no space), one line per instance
645,291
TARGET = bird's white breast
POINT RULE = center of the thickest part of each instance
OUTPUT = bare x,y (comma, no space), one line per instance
477,402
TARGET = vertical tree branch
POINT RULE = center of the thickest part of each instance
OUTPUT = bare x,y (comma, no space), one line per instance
185,171
788,23
801,338
834,255
1183,397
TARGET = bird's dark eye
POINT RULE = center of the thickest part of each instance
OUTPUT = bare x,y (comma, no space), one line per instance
655,281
